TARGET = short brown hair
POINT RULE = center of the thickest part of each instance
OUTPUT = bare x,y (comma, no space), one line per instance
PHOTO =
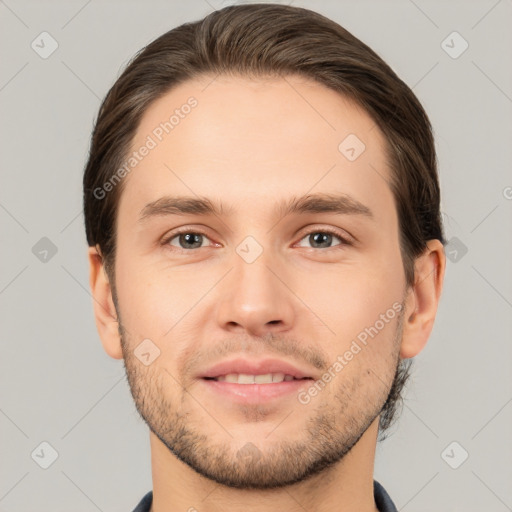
262,40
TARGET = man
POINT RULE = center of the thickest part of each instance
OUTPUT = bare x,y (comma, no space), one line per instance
266,256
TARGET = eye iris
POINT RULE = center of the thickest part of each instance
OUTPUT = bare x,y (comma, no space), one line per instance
324,239
191,238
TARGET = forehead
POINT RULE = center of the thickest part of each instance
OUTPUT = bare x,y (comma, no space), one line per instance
249,141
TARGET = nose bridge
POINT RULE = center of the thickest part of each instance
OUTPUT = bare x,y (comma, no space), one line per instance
253,297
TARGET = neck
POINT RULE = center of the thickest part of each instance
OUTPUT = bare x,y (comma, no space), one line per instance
347,485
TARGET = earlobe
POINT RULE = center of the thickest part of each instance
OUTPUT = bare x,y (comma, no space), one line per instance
104,310
423,299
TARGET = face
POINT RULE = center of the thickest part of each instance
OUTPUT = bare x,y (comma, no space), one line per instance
295,269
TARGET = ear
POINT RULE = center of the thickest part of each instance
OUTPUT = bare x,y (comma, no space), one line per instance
422,299
103,304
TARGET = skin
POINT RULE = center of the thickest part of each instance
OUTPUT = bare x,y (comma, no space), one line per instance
251,144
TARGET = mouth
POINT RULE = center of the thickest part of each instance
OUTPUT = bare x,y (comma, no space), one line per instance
266,378
252,371
246,381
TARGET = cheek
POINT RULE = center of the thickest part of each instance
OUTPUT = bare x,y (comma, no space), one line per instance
157,301
359,306
360,292
143,298
362,306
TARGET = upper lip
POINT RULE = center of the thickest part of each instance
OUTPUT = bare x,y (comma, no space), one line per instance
255,367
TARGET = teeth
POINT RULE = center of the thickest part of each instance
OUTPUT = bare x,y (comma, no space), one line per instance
263,379
244,378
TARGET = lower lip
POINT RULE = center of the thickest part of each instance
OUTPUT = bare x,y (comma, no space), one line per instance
255,393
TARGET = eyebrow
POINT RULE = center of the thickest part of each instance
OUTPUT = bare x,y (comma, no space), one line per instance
311,203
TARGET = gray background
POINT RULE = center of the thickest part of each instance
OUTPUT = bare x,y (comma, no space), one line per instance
58,385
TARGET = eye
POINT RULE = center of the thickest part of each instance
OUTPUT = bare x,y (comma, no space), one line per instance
185,240
322,238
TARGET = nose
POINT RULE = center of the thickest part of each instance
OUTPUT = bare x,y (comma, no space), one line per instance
255,298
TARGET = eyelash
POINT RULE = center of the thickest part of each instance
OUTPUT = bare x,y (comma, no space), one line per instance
166,242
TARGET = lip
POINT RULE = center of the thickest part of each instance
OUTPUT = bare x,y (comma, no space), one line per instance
255,367
251,394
